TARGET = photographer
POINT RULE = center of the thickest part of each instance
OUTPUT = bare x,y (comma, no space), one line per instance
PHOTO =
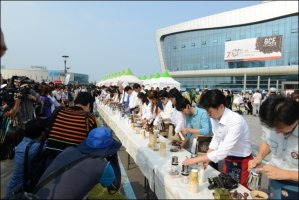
8,139
28,97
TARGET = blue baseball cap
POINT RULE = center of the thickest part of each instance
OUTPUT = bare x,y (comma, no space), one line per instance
99,142
99,138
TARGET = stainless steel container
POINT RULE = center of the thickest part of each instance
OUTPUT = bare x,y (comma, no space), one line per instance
254,180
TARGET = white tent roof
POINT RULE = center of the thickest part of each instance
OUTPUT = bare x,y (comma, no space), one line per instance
163,82
129,79
119,80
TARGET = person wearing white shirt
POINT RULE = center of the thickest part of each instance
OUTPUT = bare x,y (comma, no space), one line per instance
280,118
231,138
178,119
134,101
56,93
144,102
167,111
152,108
257,98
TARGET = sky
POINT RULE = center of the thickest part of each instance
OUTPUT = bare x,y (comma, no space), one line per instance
100,37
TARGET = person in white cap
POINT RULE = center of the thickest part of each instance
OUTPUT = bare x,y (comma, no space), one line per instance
272,91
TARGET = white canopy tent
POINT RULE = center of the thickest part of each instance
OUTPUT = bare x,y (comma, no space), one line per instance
125,76
164,82
128,79
161,82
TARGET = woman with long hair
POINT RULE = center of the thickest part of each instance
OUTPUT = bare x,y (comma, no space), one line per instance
177,118
152,108
144,102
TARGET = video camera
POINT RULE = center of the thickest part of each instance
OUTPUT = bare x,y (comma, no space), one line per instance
11,90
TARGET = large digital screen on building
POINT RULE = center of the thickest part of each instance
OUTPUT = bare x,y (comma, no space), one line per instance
261,48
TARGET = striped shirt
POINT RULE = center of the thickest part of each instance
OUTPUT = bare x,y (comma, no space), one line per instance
69,128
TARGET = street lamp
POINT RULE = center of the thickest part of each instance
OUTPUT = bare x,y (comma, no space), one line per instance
64,59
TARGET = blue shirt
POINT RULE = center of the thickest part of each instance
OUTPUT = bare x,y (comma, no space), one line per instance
199,120
108,176
16,179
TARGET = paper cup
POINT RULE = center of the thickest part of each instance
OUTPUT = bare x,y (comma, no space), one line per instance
142,133
163,149
193,181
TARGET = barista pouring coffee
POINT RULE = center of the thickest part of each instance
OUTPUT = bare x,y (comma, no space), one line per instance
231,137
280,138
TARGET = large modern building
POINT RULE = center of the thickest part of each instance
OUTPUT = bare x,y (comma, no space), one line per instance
42,74
247,48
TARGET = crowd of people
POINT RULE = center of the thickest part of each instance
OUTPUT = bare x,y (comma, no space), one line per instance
213,116
51,129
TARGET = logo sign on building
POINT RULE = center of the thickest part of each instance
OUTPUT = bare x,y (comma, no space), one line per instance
54,74
261,48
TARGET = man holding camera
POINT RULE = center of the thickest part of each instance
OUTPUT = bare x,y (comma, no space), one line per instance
28,98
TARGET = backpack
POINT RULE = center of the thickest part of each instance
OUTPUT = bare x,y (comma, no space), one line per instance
40,161
23,193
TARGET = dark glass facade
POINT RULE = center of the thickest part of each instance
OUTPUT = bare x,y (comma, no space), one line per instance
81,78
204,49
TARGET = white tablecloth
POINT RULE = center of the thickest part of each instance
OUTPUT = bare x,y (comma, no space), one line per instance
154,167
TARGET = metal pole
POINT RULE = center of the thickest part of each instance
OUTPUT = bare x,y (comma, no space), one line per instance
64,67
258,82
269,81
277,85
245,77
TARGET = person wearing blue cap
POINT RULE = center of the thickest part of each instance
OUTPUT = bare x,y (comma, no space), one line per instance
100,167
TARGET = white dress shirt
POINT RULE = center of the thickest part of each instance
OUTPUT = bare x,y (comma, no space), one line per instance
284,148
167,110
257,97
150,116
178,119
143,111
56,94
231,137
134,101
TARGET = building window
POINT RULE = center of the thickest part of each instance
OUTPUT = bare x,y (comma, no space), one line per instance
203,42
192,44
215,41
227,39
183,46
294,30
258,34
275,33
174,47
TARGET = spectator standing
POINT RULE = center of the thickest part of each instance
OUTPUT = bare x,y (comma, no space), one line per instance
257,98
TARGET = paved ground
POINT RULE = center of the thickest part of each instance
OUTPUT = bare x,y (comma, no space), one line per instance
136,178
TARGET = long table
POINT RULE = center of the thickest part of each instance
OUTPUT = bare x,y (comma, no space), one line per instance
154,167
